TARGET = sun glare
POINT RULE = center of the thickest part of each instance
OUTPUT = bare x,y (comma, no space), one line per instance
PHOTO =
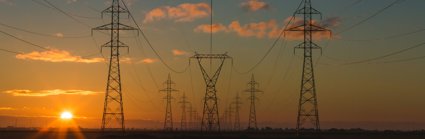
66,115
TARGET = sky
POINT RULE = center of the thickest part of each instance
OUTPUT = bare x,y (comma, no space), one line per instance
368,73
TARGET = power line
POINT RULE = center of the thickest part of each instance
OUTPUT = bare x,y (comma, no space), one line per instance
66,14
25,41
402,60
10,51
392,36
150,44
386,55
273,45
371,16
41,34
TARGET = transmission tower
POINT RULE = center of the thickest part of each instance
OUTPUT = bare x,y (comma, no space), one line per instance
113,114
210,116
229,117
253,85
308,112
237,103
183,122
168,122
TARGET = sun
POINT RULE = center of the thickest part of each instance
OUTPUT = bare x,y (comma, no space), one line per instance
66,115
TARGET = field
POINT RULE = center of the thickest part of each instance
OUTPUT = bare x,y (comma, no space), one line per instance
95,134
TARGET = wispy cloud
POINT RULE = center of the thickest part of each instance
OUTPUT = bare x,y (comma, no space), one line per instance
148,61
6,108
254,5
207,28
331,22
71,1
59,35
44,93
55,55
177,52
269,29
185,12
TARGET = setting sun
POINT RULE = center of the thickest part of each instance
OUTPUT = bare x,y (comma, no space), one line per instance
66,115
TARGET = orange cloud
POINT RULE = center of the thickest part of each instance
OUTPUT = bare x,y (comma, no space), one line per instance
270,29
44,93
258,30
297,35
55,55
177,52
185,12
148,61
6,108
207,28
254,5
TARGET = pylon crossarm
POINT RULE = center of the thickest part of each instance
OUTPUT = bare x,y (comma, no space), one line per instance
312,11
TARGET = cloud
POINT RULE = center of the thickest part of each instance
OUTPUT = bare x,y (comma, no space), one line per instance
55,55
254,5
148,61
270,29
6,108
60,35
177,52
185,12
44,93
207,28
329,23
71,1
258,30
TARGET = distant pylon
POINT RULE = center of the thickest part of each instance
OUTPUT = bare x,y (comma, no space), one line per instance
308,112
229,117
253,89
183,122
113,110
210,116
237,103
168,122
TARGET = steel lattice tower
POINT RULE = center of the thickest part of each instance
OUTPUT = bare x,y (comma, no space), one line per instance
253,89
237,125
308,112
183,121
168,122
210,116
113,114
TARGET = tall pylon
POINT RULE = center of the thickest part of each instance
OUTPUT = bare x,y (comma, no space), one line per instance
253,89
113,110
210,115
237,103
308,112
168,120
183,121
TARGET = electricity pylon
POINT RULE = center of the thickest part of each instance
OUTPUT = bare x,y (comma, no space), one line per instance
113,111
183,122
253,89
237,103
210,116
308,112
168,122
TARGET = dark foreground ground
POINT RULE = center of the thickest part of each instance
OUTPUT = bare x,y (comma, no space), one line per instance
94,134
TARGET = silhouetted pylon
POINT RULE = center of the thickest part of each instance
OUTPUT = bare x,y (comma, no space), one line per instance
253,89
168,122
183,122
113,110
308,112
237,103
